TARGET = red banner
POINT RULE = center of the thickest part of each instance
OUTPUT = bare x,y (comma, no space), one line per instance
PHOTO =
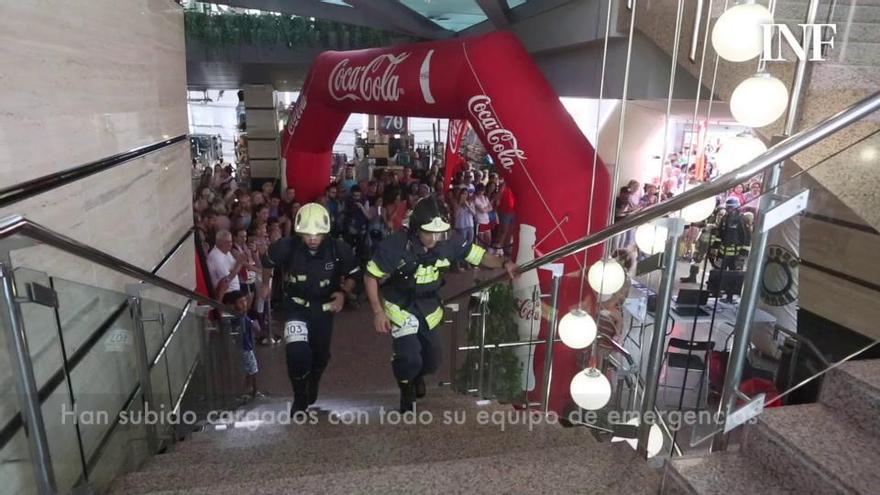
454,137
493,83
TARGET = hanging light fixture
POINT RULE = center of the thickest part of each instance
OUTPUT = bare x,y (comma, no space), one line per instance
699,211
577,329
651,239
606,276
737,151
590,389
655,438
759,100
738,34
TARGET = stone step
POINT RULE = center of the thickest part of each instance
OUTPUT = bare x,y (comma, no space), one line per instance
856,53
325,448
790,10
722,473
337,456
853,390
817,447
588,468
351,417
854,32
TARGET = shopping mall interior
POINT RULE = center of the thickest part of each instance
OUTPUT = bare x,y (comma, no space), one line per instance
441,246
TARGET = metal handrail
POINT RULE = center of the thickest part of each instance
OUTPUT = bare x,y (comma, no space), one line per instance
775,154
19,225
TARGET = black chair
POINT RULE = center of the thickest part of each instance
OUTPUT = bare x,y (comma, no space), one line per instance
689,356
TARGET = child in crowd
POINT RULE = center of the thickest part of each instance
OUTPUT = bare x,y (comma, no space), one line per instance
248,328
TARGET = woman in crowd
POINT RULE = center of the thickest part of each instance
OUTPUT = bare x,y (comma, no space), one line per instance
463,210
482,208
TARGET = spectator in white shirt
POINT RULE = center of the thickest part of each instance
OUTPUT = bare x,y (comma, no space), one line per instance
223,265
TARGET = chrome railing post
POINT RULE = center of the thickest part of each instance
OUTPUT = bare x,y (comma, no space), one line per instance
484,307
745,317
551,339
25,380
140,344
658,339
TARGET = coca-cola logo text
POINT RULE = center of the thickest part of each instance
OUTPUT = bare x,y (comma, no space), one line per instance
376,81
296,114
501,141
456,130
527,310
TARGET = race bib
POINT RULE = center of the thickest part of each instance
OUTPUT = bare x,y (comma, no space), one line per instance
296,331
410,326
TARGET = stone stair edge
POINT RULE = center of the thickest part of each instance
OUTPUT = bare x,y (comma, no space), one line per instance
774,425
387,437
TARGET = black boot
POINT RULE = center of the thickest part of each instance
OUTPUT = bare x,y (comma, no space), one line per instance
407,396
692,278
300,395
314,380
419,384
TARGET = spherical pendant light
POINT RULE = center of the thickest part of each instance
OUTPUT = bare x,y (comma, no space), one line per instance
738,34
590,389
577,329
759,100
699,211
655,438
737,151
606,276
651,239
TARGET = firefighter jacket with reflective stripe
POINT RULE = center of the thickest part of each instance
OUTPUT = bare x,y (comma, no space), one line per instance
415,273
309,279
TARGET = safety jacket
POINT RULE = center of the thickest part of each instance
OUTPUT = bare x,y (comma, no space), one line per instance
310,279
415,274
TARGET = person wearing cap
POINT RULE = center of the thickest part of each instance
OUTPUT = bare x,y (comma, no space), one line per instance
733,233
317,273
411,264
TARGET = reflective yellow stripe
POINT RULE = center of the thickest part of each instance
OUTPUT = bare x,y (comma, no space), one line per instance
435,317
395,313
323,283
442,263
374,270
475,255
427,274
301,302
300,278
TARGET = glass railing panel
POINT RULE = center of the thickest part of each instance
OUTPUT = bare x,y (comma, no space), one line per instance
47,355
124,451
16,469
182,354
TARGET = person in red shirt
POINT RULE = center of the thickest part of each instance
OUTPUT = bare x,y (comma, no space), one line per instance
506,217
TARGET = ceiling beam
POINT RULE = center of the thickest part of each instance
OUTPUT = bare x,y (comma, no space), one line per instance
403,18
496,11
316,9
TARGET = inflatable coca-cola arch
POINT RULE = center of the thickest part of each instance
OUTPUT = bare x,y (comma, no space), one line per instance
492,82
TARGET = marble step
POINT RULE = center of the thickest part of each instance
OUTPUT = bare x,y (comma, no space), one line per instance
337,456
368,446
589,468
722,473
855,32
853,390
856,53
789,10
351,418
816,447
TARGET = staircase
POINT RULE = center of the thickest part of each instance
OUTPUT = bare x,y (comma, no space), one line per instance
832,446
372,457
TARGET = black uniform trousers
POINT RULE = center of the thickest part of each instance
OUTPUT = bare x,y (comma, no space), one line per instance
312,357
416,354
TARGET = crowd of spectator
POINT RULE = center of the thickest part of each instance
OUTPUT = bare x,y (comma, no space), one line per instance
236,224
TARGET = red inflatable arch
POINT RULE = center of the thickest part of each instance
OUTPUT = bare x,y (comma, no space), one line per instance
492,82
